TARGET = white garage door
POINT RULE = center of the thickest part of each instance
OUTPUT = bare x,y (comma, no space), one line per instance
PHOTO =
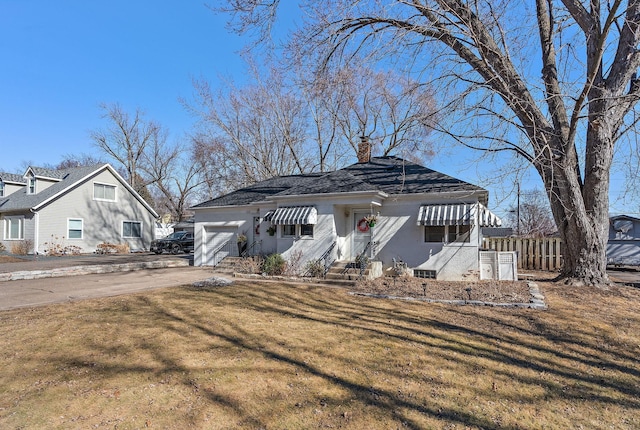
214,239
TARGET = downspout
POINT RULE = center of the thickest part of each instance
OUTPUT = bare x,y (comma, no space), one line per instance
36,232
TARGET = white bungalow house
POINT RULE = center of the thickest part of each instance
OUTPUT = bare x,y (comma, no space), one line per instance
428,220
80,207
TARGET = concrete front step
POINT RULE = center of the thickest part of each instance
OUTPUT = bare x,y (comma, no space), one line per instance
344,270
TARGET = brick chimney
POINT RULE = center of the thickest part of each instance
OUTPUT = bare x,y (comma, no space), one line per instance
364,150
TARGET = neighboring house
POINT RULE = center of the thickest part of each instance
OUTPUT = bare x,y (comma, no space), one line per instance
186,225
10,183
165,229
623,247
497,231
80,207
428,220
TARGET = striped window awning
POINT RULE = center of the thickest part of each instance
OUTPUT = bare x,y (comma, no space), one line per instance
294,215
458,214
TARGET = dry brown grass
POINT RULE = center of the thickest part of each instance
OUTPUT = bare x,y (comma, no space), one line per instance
279,356
10,259
485,291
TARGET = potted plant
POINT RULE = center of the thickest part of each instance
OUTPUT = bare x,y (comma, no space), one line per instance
242,243
372,219
271,230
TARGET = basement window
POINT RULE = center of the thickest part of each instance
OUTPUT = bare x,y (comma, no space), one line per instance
426,274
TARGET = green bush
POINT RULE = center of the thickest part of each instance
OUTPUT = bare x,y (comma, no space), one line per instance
274,264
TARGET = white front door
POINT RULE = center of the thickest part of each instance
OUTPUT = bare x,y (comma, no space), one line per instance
361,234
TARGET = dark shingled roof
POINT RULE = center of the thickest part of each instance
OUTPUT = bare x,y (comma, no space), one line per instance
339,181
394,175
259,191
390,175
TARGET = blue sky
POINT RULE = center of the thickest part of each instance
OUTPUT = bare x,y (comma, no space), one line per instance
61,59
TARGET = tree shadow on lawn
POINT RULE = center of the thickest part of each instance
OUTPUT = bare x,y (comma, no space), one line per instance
408,363
519,346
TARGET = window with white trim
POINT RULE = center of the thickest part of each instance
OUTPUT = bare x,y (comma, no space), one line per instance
104,192
74,228
297,230
31,184
14,228
447,233
132,229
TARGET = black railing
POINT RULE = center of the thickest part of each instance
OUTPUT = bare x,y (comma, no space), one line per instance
328,259
250,250
325,261
225,248
363,260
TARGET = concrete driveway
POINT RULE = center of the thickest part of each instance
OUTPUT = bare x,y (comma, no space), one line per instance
629,276
37,292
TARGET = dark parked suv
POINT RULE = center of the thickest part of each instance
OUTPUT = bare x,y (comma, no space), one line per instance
175,243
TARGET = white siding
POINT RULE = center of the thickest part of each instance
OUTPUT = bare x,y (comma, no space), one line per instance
12,188
224,220
102,220
397,234
43,184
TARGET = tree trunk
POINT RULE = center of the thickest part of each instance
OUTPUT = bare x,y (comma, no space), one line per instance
585,252
581,215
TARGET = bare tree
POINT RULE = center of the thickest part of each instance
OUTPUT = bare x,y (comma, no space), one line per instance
216,169
255,132
564,122
396,112
531,216
126,138
77,160
174,177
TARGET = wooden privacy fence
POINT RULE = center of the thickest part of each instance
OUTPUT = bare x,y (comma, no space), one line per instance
533,254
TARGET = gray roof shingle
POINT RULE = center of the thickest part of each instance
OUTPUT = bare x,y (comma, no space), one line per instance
391,175
11,177
41,172
20,200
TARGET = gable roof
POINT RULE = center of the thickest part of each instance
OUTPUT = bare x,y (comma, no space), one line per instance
390,175
10,178
49,174
66,180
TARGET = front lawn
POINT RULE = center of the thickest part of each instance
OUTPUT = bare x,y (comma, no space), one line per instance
281,356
